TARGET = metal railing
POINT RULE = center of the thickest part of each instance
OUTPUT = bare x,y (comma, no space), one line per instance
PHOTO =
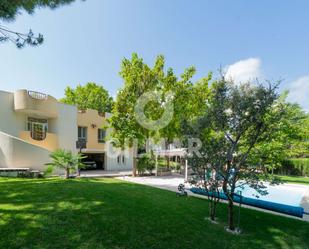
37,95
38,135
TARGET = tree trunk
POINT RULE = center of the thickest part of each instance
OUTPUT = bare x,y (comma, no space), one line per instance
212,211
134,166
168,162
231,215
67,173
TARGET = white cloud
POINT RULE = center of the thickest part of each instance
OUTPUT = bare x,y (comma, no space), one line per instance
244,70
299,92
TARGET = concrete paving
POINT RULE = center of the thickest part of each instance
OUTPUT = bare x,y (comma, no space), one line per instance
104,173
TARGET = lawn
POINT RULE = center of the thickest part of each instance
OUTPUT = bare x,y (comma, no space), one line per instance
108,213
295,179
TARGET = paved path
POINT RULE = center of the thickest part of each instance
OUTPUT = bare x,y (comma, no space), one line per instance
104,173
171,183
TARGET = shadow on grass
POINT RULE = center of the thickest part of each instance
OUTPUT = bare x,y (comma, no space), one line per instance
108,213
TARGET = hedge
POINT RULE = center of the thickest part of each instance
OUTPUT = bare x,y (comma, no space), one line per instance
295,166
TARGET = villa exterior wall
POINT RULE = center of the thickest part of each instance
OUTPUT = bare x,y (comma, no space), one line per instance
50,143
117,162
10,121
16,153
92,121
65,126
18,149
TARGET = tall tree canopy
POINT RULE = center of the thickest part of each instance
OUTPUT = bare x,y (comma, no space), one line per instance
139,79
162,88
10,9
91,95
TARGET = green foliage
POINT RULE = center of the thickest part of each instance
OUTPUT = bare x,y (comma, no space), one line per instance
48,170
20,39
237,118
295,166
289,137
162,163
66,160
146,162
187,98
10,9
91,95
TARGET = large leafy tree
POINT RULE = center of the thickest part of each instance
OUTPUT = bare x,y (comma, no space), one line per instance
241,117
91,95
140,79
289,138
10,9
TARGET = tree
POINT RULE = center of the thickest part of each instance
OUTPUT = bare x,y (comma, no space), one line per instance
207,164
241,116
66,160
289,138
10,9
158,90
92,96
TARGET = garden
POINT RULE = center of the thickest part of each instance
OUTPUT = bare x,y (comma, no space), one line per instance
107,213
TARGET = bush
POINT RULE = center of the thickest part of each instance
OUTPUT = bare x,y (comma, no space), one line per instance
145,163
65,159
295,166
162,163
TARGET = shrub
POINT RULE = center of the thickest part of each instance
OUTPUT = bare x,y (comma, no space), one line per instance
162,163
145,163
295,166
65,160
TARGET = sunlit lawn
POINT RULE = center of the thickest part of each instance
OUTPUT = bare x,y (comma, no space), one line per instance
108,213
295,179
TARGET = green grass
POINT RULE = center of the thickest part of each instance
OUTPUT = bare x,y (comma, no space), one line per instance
295,179
108,213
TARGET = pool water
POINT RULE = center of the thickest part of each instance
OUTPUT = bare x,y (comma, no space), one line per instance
284,194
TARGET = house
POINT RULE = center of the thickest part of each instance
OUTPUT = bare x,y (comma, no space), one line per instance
33,124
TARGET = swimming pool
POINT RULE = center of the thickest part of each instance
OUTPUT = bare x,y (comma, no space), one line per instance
284,193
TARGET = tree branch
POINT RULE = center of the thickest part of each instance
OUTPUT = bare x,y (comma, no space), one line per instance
20,39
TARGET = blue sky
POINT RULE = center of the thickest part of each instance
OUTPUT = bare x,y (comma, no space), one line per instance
86,41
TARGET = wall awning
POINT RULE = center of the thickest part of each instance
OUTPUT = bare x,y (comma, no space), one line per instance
182,152
94,151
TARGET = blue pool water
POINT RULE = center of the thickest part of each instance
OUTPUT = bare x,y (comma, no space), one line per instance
284,194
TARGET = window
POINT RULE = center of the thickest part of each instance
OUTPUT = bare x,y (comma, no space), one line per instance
35,123
37,128
82,133
121,159
101,136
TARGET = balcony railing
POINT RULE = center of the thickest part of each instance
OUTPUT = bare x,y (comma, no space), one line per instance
37,95
38,135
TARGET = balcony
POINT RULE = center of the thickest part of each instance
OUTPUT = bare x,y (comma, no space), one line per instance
45,140
35,103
